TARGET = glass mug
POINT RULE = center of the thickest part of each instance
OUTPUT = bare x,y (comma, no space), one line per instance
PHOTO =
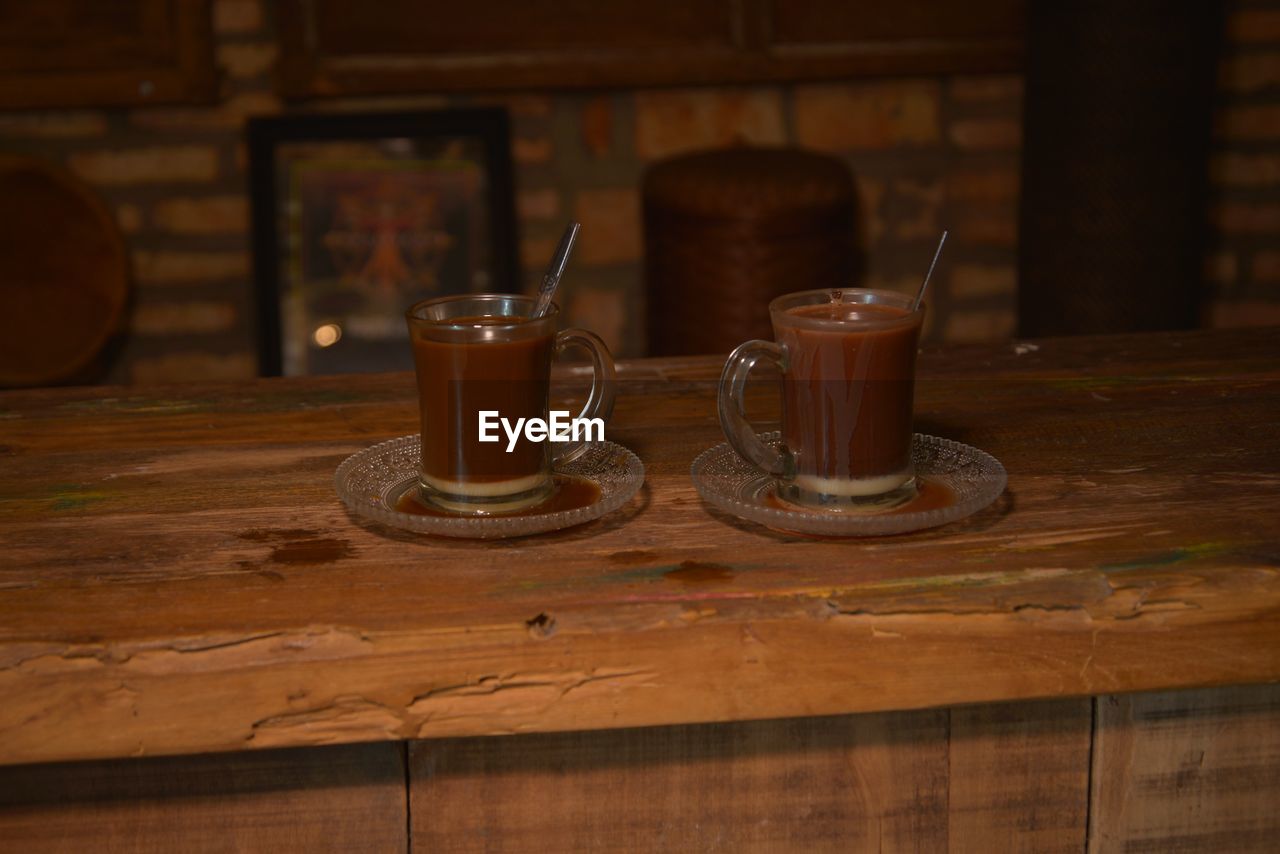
482,352
848,377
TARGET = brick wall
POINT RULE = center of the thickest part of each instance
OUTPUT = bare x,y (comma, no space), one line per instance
1243,263
928,153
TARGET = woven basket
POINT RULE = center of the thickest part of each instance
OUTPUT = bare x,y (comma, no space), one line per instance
727,231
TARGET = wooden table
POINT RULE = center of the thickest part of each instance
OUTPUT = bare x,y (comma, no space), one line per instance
179,582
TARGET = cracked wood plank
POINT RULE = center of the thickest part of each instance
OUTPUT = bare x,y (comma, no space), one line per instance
179,576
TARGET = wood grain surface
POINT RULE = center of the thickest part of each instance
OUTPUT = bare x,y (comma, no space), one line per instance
1018,776
861,781
1009,777
344,47
343,798
68,54
178,574
1187,771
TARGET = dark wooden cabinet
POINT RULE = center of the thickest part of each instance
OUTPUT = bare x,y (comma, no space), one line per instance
351,47
75,53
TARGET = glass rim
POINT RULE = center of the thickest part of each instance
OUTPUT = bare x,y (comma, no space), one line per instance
412,313
779,306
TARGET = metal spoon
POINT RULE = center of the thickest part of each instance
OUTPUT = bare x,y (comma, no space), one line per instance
555,270
920,295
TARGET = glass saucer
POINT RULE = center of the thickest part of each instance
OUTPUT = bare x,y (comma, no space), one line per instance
372,481
728,482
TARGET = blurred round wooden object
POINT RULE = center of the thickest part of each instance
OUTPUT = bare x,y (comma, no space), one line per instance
726,231
64,275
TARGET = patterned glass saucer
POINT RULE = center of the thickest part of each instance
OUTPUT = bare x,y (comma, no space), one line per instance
974,477
372,481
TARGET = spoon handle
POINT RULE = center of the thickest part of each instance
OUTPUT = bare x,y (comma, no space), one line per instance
556,270
915,304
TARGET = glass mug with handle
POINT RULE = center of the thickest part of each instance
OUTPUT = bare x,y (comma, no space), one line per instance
482,353
847,360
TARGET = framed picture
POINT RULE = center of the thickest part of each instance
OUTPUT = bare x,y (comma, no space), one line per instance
358,216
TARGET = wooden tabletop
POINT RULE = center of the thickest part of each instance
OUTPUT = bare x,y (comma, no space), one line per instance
177,574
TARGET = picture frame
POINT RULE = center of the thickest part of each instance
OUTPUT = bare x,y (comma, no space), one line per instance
358,216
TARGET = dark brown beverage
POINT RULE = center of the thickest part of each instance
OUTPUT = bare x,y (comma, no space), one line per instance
486,364
847,395
848,362
484,371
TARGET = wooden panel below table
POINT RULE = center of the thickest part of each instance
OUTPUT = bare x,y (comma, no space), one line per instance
1188,771
1018,776
1014,776
347,798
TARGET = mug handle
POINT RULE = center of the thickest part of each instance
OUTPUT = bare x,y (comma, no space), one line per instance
600,402
733,414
